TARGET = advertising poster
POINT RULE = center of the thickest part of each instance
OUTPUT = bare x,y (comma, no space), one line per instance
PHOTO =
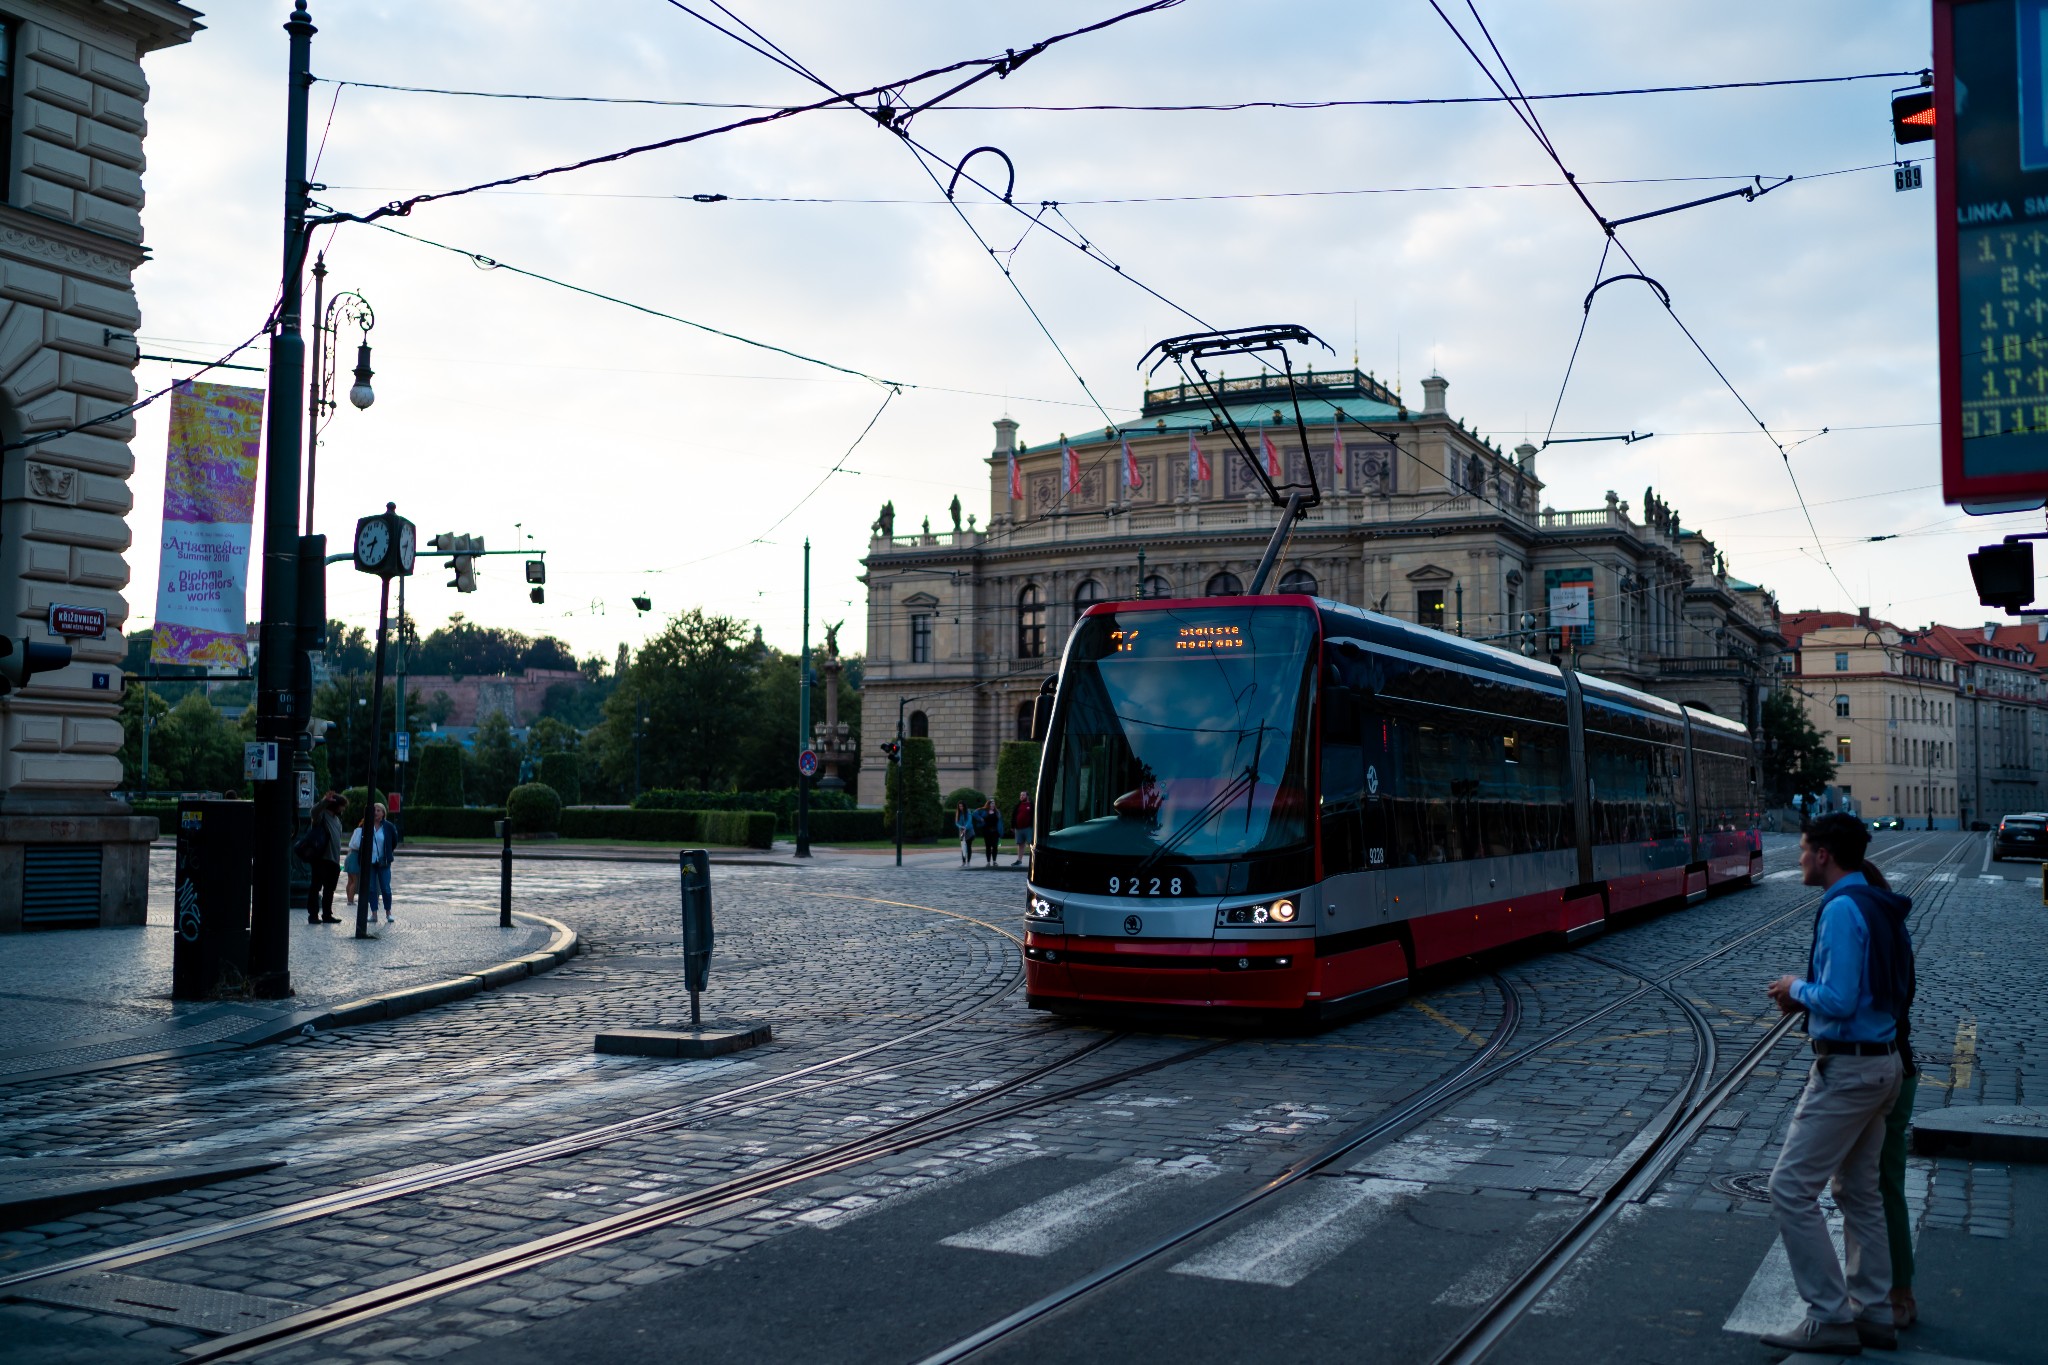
209,505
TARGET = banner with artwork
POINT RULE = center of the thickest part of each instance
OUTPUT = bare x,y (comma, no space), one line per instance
209,504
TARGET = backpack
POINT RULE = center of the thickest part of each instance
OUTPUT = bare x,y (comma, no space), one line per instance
1892,972
313,843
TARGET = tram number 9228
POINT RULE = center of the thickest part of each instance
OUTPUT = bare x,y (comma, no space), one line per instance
1144,886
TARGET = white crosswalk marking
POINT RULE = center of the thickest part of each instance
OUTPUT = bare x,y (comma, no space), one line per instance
1509,1257
1044,1226
1282,1248
1781,876
1771,1303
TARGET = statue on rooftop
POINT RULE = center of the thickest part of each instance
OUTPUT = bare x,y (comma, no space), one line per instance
885,524
955,510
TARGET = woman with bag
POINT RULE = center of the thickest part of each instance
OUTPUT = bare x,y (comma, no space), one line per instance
991,830
372,859
320,850
963,827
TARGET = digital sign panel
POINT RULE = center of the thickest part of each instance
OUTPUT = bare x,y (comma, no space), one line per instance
1991,181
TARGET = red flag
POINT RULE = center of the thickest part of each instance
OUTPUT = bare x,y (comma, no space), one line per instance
1198,463
1132,479
1073,463
1016,479
1337,449
1272,455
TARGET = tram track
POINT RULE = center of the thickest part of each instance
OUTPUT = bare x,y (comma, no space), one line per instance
1674,1127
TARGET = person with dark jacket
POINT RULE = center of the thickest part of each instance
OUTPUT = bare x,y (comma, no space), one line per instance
322,850
1858,977
989,822
1891,1162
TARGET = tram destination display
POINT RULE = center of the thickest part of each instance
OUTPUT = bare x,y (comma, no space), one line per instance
1991,178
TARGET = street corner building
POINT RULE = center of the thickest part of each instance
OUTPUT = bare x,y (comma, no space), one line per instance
1422,518
72,98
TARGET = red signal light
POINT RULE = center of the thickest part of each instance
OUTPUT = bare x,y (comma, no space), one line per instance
1913,116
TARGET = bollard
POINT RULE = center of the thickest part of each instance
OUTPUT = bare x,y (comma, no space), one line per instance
505,876
696,873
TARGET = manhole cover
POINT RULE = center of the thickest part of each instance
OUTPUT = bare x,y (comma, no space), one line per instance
1751,1185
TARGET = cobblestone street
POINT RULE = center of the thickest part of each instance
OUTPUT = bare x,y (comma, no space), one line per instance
774,1204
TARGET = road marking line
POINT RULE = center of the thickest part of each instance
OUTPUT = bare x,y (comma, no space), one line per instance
1480,1284
1965,1055
1986,865
1060,1219
1771,1303
1781,876
1989,877
1282,1249
1448,1022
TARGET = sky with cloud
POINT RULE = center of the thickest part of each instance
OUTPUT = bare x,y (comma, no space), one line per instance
649,457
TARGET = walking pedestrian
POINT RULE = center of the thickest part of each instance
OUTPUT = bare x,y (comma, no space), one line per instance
1891,1162
991,830
963,827
1020,822
373,855
1858,975
320,848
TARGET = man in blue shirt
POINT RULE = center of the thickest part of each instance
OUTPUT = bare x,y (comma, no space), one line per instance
1838,1127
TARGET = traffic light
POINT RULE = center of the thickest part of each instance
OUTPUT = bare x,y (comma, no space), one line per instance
892,749
1913,116
23,658
463,565
536,571
2004,574
537,596
643,604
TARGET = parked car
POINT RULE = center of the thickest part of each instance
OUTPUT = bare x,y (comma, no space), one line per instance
2021,836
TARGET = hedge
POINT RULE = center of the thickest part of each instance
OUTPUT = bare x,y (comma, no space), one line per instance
740,828
1016,771
919,770
848,826
968,795
534,808
440,779
782,802
450,822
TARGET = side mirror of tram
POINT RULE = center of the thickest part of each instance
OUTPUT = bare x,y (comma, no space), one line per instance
1041,709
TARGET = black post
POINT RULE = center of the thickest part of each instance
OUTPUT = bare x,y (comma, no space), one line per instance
639,723
269,923
505,874
803,723
370,790
897,759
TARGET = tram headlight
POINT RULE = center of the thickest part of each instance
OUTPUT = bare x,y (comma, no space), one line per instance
1273,912
1283,912
1260,914
1039,908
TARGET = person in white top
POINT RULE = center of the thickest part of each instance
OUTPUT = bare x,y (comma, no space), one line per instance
373,857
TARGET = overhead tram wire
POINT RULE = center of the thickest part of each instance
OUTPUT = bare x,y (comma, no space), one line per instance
1530,120
1224,108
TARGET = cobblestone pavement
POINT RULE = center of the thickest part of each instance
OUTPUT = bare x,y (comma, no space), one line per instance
1393,1248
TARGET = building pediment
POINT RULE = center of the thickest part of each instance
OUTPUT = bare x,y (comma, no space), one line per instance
1430,573
920,599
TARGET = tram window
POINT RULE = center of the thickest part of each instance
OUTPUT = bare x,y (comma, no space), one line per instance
1343,778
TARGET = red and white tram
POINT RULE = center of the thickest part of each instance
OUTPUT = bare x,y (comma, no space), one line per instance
1286,804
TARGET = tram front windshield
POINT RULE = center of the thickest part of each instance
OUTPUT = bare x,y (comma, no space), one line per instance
1183,733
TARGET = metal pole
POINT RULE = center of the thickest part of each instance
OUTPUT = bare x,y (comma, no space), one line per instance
269,923
505,874
898,761
316,389
639,723
803,719
145,739
398,703
370,790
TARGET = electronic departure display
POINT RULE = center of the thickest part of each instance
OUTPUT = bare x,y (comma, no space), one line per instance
1991,176
1156,635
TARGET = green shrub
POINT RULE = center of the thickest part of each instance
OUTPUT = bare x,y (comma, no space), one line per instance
973,798
848,826
440,779
534,808
352,813
781,801
919,773
560,772
748,829
450,822
1016,771
740,828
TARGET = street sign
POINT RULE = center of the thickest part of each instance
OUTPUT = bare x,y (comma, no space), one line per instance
807,763
78,623
1991,229
403,741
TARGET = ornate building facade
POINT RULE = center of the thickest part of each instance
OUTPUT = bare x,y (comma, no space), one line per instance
1427,520
72,94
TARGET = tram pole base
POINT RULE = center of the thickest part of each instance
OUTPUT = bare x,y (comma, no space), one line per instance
683,1042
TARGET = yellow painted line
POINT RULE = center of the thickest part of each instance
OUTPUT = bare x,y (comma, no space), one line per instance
911,905
1453,1025
1965,1055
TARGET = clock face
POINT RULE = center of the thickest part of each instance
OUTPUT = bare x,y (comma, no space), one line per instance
373,542
405,547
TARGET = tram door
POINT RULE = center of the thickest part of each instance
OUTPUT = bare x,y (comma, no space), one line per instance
1380,739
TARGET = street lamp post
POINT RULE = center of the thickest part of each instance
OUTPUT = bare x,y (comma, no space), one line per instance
328,316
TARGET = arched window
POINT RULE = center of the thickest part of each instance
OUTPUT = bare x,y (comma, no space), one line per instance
1087,595
1030,623
1225,584
1841,703
920,725
1156,586
1025,709
1298,580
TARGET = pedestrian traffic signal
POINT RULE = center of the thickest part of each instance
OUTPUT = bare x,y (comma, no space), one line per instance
536,571
537,596
23,658
1913,116
462,548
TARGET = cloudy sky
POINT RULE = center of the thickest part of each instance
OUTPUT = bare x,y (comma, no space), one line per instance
651,458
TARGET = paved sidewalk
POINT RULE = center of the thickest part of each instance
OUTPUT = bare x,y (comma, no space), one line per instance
76,997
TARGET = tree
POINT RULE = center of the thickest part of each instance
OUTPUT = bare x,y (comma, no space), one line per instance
1016,771
440,780
136,702
493,767
464,649
693,684
550,736
201,751
433,712
548,652
345,701
1796,760
768,749
348,649
919,771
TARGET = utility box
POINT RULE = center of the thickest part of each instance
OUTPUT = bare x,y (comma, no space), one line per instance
696,868
211,898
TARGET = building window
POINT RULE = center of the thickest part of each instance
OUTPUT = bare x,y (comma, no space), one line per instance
920,725
1225,584
1156,586
1299,580
1429,608
1841,661
1842,750
1841,703
921,638
1025,712
1030,623
1086,596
